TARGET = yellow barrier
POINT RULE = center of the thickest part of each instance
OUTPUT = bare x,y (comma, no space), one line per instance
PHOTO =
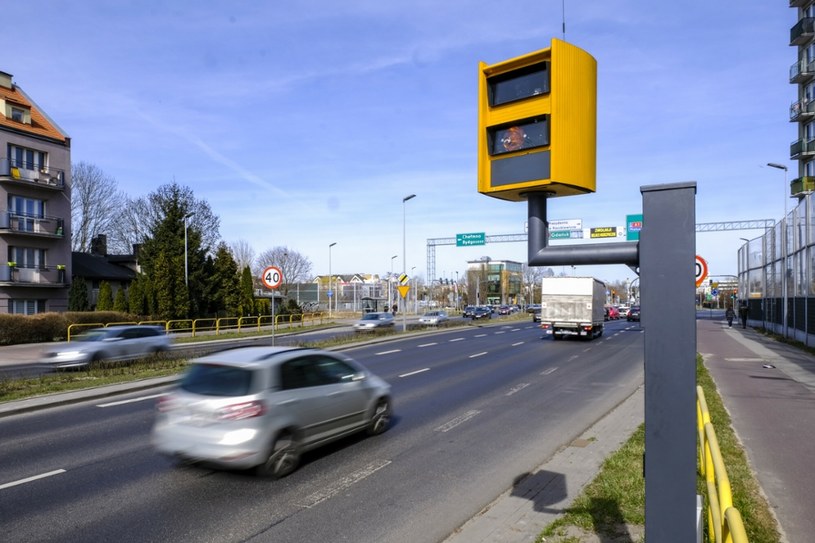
86,325
197,324
179,325
217,324
727,527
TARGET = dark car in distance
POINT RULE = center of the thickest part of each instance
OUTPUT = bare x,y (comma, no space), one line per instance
481,312
633,313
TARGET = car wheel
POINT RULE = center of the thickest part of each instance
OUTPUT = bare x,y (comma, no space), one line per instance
283,458
381,418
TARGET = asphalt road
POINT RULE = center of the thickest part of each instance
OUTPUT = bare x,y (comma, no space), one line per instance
475,409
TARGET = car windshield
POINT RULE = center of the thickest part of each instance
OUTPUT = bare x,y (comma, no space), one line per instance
217,380
371,317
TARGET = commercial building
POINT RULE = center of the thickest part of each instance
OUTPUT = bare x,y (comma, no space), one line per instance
35,206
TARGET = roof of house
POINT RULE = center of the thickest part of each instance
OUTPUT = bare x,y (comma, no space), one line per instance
40,125
92,266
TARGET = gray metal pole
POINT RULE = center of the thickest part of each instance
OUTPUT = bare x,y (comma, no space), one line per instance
667,253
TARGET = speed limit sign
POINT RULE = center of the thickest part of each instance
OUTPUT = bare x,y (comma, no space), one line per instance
701,270
272,277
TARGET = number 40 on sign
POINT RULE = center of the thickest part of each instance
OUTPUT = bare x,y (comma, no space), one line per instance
272,277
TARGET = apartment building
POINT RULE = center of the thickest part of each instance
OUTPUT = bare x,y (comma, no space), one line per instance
35,206
802,110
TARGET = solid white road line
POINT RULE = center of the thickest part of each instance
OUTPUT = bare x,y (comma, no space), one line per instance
33,478
344,483
414,372
446,427
517,388
131,400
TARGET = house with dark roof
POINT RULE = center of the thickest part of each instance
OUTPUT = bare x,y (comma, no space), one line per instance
97,266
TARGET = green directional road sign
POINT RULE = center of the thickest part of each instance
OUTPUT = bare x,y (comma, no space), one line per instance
560,234
468,240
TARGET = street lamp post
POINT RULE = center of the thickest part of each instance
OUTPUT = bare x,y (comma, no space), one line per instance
784,246
455,290
415,290
330,294
404,257
390,286
186,269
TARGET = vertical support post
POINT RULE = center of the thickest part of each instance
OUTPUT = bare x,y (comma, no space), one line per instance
667,253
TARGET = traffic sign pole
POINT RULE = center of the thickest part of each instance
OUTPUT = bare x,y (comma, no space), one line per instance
272,278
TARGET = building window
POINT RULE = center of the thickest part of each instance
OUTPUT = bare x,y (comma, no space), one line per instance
27,159
25,211
26,307
27,257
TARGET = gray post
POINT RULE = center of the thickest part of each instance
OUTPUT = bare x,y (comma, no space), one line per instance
667,254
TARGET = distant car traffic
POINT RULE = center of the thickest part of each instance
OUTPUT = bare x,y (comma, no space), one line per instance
111,343
481,312
263,407
504,310
468,311
373,321
536,316
633,313
612,313
433,318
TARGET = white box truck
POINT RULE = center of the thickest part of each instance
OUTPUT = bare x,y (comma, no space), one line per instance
573,306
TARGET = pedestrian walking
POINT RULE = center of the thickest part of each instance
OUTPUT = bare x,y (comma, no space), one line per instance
729,314
743,315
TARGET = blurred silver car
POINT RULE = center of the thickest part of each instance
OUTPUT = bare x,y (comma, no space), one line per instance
263,407
433,318
112,343
374,321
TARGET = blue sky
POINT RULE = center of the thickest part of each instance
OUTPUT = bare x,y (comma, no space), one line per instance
306,123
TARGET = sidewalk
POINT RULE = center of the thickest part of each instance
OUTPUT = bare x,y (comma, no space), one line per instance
768,389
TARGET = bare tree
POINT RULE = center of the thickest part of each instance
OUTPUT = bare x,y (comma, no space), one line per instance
242,253
95,202
532,276
296,268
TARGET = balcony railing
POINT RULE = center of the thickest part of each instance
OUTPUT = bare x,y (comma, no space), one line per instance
802,71
20,223
801,185
802,147
803,109
798,3
32,277
10,171
803,31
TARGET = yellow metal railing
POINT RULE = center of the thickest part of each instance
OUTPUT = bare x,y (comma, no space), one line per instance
724,523
223,324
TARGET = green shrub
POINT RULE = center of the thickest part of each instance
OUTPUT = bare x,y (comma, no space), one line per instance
46,327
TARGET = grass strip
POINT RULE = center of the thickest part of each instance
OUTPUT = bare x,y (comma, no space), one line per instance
612,506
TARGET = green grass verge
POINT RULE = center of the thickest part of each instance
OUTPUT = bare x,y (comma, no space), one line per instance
614,503
99,375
